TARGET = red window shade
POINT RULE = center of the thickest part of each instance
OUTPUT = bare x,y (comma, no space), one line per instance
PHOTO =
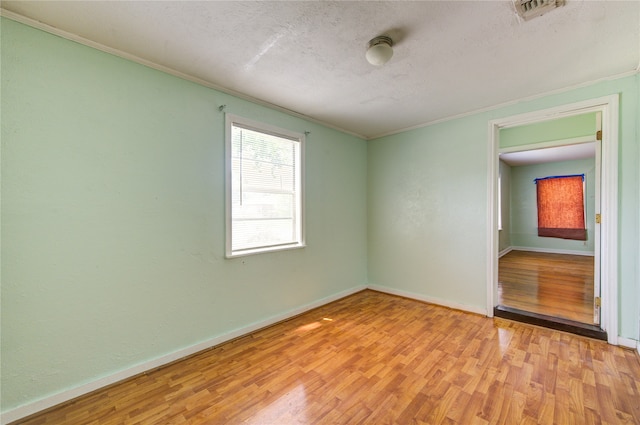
561,207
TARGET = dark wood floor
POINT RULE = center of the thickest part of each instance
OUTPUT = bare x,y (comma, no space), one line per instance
557,285
373,358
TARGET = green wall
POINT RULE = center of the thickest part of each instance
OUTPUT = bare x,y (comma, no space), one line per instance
524,213
427,211
113,217
428,202
547,131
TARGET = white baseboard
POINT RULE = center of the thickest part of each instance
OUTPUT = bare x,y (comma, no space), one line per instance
64,396
629,343
551,250
430,300
504,252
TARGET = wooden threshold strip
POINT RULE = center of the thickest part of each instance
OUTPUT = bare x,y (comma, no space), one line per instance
550,322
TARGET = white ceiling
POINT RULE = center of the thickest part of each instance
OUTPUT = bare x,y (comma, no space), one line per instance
451,57
553,154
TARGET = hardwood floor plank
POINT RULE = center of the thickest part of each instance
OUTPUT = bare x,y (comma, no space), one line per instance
373,358
557,285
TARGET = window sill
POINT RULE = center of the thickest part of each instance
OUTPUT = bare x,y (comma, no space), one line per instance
255,251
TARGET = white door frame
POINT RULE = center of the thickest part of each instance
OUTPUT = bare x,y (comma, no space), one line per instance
608,107
597,245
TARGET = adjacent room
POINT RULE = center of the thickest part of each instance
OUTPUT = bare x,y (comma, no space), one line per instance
547,268
320,212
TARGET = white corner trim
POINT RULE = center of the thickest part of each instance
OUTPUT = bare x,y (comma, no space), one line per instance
505,252
629,343
430,300
67,395
552,250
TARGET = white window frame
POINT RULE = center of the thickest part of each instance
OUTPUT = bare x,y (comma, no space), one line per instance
233,121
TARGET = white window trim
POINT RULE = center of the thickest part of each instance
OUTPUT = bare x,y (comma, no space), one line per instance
231,119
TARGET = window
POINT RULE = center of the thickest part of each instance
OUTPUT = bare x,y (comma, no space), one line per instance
560,201
263,187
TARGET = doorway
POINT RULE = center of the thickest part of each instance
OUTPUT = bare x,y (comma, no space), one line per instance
550,275
605,276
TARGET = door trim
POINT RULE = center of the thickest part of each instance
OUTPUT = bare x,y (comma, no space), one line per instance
597,277
608,107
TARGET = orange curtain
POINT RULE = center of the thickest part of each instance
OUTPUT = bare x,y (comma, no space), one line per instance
561,207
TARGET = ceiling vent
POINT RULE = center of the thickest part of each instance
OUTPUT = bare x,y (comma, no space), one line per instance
529,9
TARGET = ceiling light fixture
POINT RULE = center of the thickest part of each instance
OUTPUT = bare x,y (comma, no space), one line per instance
379,51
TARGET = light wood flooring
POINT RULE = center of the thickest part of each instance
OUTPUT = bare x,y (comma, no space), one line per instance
557,285
373,358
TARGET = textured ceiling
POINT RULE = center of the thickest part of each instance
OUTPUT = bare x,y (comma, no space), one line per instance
451,57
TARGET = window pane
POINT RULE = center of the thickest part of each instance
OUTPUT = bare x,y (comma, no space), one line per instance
263,205
263,175
261,146
265,192
259,233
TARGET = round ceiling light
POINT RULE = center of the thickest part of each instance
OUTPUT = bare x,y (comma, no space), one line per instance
379,51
